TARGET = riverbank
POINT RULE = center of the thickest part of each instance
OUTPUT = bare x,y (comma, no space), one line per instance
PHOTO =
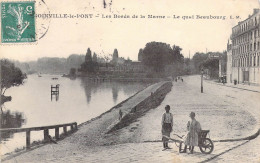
93,133
117,78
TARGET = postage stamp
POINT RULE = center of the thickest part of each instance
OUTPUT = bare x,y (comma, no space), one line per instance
18,22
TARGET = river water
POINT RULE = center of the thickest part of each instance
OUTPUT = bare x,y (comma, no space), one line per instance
79,100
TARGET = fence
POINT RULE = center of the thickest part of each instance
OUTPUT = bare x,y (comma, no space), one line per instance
73,127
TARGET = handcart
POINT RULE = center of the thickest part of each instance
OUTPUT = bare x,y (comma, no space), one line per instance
205,144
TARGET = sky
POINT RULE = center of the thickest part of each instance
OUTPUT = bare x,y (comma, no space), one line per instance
102,35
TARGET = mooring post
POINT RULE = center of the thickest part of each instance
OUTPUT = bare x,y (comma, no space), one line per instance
57,133
57,88
76,126
28,139
46,134
65,130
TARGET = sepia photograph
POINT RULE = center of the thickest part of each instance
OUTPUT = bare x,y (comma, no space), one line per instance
122,81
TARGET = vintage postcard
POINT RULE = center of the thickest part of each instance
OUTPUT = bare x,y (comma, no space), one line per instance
130,81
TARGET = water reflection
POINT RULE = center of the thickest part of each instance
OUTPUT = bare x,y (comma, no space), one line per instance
11,120
115,92
55,96
91,87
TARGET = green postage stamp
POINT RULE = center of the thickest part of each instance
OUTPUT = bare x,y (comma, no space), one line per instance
18,22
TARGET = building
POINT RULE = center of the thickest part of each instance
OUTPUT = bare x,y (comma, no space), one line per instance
243,53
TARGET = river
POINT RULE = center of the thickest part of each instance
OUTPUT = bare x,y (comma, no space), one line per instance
79,100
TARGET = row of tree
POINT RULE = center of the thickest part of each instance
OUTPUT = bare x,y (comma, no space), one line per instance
90,65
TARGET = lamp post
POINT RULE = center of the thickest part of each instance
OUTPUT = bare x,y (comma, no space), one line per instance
201,87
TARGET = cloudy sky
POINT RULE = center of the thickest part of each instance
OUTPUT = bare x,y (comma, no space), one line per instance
74,36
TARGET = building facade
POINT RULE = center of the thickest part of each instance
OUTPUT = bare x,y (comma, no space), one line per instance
243,53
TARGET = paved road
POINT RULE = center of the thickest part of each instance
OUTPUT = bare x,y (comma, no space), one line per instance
227,112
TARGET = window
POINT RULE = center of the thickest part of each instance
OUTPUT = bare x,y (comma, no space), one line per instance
249,61
258,60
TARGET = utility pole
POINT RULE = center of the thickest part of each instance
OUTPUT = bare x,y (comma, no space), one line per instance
201,86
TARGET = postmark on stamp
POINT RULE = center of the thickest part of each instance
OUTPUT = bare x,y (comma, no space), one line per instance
18,22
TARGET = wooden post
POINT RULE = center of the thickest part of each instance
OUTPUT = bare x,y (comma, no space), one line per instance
45,134
65,130
76,126
28,139
57,133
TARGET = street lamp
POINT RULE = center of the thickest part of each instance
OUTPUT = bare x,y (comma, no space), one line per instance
201,88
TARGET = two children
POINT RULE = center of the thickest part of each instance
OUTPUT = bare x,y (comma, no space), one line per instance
193,128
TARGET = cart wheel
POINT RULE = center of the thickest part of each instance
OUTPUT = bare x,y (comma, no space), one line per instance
181,147
206,146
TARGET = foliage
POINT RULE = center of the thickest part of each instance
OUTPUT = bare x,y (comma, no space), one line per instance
94,57
177,56
198,59
74,61
11,120
213,66
72,72
88,57
157,55
10,75
89,66
201,59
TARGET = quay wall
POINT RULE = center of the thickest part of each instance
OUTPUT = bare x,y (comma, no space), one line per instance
139,109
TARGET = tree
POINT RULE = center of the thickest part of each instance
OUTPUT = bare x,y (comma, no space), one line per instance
10,76
157,55
90,65
198,60
213,66
94,57
88,57
74,61
72,72
177,56
140,55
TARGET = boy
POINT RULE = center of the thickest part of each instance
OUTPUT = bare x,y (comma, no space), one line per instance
167,123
